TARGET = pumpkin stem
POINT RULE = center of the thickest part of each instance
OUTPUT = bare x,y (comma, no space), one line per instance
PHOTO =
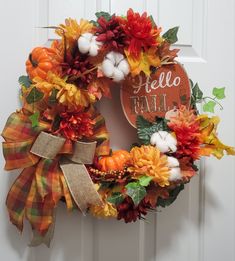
110,152
34,63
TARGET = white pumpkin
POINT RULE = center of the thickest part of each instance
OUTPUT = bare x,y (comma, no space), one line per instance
164,141
115,66
87,44
175,172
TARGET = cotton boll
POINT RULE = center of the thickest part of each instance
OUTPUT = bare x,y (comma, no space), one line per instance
162,146
175,174
173,162
83,45
111,57
118,75
88,36
118,57
107,68
164,141
124,67
93,49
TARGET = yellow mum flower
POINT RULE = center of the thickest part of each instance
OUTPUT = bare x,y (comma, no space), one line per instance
72,30
147,160
68,94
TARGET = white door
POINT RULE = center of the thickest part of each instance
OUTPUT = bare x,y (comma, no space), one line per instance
200,225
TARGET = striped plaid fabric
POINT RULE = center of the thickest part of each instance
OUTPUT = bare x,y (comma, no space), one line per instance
41,184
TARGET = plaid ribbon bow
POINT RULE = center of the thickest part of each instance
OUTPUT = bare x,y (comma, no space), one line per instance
37,190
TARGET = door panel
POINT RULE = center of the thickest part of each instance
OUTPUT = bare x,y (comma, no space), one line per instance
200,224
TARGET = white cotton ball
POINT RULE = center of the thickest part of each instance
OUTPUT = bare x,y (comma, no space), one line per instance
111,56
162,146
175,174
93,49
124,66
83,45
163,134
107,68
118,75
118,57
88,36
173,162
164,141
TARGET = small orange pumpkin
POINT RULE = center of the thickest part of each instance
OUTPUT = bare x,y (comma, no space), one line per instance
116,161
41,60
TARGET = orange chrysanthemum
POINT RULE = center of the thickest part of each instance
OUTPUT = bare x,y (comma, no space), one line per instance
147,160
187,131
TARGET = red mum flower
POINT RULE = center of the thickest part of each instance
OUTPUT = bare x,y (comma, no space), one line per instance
76,125
129,212
140,32
78,69
187,131
111,33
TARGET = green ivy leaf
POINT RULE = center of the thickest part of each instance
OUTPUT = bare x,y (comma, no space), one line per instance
106,15
34,96
136,192
145,180
34,119
52,99
171,35
197,93
209,106
24,81
173,194
116,198
219,93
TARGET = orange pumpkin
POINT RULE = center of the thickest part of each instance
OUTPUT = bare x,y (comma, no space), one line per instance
116,161
41,60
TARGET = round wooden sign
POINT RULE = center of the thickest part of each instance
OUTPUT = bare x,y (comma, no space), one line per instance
152,96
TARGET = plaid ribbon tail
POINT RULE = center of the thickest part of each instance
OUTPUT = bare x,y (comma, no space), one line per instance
17,197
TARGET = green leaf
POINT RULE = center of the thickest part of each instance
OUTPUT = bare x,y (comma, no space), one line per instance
219,93
145,128
34,96
209,106
145,180
34,119
152,20
171,35
116,198
136,192
197,93
24,81
173,194
106,15
52,99
94,23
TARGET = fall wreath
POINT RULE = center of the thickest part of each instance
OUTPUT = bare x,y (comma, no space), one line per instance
60,140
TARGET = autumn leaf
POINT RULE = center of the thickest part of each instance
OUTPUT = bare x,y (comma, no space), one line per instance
166,54
143,62
211,143
100,87
153,193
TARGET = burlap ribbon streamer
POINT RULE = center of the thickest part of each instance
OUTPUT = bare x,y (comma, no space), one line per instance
77,177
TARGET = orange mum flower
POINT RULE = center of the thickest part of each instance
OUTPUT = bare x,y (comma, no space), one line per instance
147,160
187,130
140,32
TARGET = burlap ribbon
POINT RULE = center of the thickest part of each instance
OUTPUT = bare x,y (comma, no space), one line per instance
77,177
